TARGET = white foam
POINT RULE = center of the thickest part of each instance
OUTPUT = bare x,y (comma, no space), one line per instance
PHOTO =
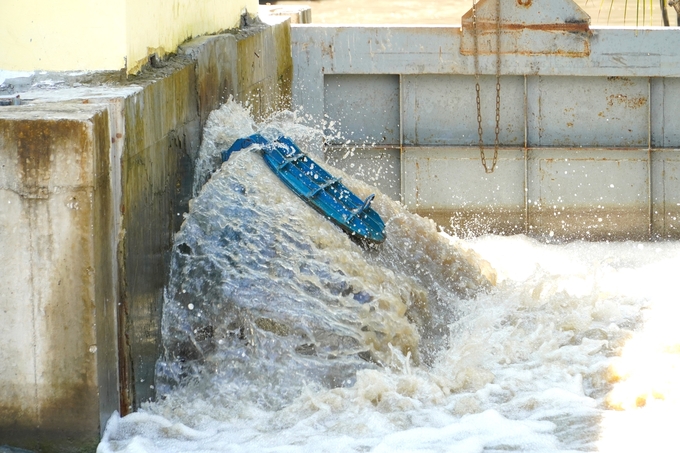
528,369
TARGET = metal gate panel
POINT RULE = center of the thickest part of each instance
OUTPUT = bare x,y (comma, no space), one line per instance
671,192
608,113
589,193
588,111
671,217
666,193
435,179
666,113
361,108
442,110
380,167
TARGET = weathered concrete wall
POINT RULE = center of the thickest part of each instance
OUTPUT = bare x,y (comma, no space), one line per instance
55,272
93,184
162,130
260,75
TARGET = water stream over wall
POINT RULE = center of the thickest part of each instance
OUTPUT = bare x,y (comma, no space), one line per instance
282,334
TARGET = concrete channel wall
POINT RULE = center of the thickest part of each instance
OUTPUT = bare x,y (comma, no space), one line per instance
94,178
589,128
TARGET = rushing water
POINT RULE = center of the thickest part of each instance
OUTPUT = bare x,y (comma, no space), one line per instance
284,335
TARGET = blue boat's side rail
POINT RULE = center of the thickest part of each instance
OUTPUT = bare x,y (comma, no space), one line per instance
316,186
243,143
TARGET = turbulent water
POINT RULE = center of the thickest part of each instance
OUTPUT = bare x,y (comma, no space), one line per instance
282,334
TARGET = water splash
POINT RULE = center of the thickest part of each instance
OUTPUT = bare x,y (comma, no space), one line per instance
266,296
281,341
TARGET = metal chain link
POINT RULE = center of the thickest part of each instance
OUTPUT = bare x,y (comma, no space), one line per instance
475,37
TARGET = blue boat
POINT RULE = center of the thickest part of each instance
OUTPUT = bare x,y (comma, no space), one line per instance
318,188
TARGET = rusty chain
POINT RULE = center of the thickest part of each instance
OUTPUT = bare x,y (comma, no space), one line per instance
480,132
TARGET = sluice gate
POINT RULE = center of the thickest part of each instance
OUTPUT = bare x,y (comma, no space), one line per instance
588,124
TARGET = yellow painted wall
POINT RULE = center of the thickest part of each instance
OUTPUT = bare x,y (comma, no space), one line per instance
74,35
62,35
160,25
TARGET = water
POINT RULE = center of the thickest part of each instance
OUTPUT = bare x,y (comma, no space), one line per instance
284,335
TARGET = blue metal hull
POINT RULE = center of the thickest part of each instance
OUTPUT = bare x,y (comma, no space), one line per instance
317,187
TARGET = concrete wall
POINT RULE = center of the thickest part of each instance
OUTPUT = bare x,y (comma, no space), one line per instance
55,268
93,183
85,35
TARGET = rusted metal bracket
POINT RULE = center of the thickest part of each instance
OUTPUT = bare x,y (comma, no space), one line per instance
529,27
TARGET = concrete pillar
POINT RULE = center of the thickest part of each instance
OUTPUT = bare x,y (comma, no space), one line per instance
57,298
